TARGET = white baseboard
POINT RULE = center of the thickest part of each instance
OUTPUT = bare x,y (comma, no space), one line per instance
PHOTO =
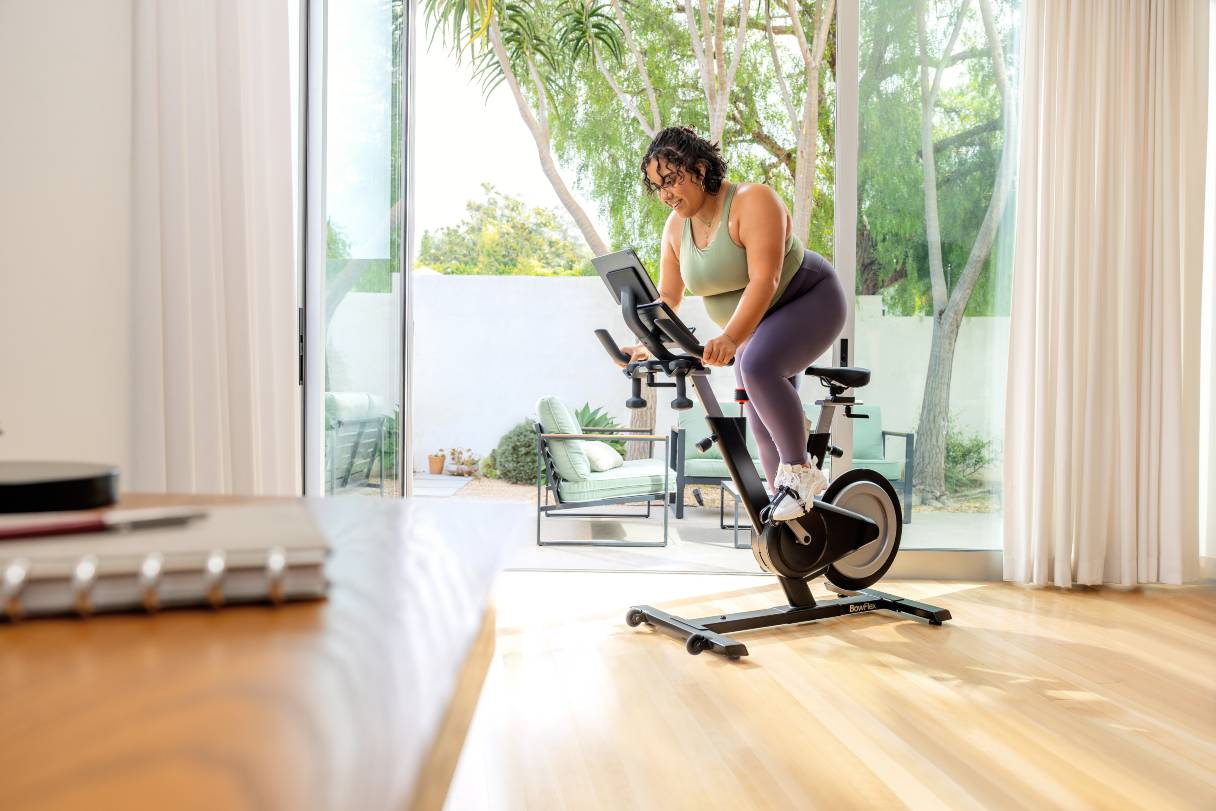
947,564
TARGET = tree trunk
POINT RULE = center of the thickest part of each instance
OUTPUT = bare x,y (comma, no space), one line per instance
642,421
808,159
929,466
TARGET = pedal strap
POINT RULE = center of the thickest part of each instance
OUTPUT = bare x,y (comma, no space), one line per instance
783,492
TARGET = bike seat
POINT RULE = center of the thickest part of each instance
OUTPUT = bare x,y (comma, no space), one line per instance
847,376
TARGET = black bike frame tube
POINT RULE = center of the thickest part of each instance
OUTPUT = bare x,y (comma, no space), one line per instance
739,464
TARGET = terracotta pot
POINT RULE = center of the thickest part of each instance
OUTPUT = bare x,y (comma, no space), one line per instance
435,464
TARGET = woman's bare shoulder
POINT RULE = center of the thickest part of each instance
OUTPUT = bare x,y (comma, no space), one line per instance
758,196
673,228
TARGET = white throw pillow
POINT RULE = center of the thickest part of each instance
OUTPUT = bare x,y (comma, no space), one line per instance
602,456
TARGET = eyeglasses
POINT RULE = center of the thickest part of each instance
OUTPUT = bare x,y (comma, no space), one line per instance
671,179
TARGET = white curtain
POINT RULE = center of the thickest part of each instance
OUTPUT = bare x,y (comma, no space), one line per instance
1207,376
1101,462
214,389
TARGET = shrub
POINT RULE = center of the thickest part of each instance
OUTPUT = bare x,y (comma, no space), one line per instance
489,467
966,455
515,456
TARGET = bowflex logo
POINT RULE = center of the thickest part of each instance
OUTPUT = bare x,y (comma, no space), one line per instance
859,607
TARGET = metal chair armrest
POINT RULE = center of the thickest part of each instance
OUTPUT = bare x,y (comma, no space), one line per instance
619,430
622,438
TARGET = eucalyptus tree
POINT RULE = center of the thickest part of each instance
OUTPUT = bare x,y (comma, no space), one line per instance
935,175
507,41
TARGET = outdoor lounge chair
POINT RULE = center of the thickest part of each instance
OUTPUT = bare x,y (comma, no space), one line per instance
354,440
692,467
567,477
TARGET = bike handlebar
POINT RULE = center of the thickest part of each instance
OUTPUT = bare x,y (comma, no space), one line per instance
678,334
685,339
610,345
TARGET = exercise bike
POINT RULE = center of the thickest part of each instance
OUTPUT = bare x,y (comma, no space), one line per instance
849,536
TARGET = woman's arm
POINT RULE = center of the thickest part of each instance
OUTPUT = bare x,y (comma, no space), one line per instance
671,283
762,233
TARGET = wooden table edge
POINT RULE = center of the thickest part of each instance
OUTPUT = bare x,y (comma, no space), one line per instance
435,774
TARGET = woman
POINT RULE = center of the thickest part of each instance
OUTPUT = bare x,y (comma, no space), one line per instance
779,306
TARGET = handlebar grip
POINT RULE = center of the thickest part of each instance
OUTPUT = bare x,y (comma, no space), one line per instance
610,345
680,335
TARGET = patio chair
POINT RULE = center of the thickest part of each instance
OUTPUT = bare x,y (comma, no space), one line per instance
692,466
354,441
568,478
870,452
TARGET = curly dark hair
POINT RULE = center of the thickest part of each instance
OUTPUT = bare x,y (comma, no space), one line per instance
685,151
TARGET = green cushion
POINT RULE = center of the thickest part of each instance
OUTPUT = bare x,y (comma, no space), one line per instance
868,445
706,467
346,406
892,470
867,434
696,428
635,477
601,455
568,455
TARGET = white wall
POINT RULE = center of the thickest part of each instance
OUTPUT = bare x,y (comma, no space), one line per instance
65,169
486,347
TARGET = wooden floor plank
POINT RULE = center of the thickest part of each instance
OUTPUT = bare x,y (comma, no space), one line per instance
1028,698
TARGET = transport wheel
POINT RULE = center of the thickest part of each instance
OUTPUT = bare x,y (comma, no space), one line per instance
697,643
634,617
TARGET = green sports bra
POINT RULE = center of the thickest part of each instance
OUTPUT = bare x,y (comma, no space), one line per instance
719,273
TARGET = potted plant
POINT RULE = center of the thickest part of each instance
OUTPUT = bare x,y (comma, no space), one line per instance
435,462
464,462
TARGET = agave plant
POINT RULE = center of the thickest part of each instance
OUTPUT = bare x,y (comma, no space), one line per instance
589,417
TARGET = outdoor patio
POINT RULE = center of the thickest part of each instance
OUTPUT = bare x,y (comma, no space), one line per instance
696,543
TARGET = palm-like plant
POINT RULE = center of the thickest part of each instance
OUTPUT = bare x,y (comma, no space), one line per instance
516,49
453,17
529,51
585,27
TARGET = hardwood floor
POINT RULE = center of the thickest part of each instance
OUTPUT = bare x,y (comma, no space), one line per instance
1026,699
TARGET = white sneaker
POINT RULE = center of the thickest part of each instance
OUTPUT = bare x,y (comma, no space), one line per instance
802,483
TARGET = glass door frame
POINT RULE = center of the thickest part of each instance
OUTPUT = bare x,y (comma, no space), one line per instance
844,226
314,21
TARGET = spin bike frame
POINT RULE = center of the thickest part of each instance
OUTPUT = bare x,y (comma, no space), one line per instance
840,531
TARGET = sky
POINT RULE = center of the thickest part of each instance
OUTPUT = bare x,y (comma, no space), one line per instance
463,139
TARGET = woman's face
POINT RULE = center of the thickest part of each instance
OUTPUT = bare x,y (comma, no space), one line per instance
677,187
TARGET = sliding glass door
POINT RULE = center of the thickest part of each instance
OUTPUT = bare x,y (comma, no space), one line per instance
934,178
355,223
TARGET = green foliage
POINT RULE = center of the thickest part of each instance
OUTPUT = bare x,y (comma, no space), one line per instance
567,44
589,417
515,456
966,456
392,428
337,246
587,29
489,466
967,130
502,236
600,143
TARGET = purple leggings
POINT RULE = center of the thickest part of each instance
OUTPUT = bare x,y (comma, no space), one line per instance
801,326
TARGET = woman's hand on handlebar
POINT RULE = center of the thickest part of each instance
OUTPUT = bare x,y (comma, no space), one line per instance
719,351
635,353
